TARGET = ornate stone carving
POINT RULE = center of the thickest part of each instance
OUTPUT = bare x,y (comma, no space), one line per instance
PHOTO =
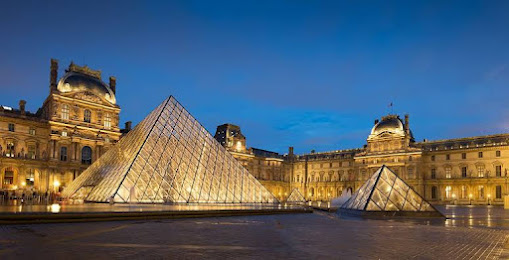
85,70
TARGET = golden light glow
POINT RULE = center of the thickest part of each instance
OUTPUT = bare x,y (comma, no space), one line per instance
23,184
470,195
56,184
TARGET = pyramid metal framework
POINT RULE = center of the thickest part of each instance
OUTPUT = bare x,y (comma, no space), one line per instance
168,158
385,191
295,197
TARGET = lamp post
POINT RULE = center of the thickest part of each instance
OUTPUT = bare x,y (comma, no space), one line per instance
489,199
470,198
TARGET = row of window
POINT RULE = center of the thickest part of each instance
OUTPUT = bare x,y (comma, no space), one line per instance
464,155
464,192
87,116
86,154
480,170
11,127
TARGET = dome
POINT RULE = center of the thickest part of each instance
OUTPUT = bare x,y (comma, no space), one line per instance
76,81
391,124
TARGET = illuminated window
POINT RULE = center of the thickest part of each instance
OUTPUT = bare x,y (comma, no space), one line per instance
31,151
30,178
448,192
480,171
8,176
11,151
65,112
87,116
107,120
63,153
11,127
481,192
448,171
86,155
463,191
498,170
64,133
31,131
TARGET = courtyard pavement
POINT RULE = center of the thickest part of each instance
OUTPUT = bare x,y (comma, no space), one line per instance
474,233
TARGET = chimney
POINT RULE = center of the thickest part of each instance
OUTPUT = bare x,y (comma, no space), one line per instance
22,104
128,125
113,84
376,121
407,124
290,151
53,74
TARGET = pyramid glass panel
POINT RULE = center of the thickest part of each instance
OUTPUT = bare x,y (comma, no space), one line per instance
386,192
168,158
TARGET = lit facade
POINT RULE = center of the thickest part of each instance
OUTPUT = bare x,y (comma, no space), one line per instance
470,170
77,123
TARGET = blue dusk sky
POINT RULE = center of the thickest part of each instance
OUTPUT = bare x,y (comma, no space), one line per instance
308,74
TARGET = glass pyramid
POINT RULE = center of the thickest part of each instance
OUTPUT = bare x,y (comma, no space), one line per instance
168,158
385,191
295,197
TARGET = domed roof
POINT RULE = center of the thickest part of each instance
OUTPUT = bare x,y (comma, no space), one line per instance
391,124
78,79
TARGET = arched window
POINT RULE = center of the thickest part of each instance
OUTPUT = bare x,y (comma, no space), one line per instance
107,120
87,116
65,112
8,176
86,155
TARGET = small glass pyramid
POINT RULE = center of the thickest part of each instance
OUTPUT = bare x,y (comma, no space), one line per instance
295,197
386,192
168,158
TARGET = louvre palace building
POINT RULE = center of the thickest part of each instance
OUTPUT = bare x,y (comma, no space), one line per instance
79,121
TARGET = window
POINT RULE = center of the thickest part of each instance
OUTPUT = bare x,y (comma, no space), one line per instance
448,192
497,153
498,192
31,131
87,116
30,178
433,173
410,173
11,127
31,151
10,149
65,112
447,156
434,192
481,192
498,170
107,120
8,176
448,171
64,133
330,165
463,191
464,156
432,158
63,153
410,158
464,171
480,155
480,171
86,155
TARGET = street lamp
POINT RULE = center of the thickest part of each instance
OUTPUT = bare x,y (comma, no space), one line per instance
470,196
489,199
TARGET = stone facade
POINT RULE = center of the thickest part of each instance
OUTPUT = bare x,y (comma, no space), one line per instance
469,170
76,124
